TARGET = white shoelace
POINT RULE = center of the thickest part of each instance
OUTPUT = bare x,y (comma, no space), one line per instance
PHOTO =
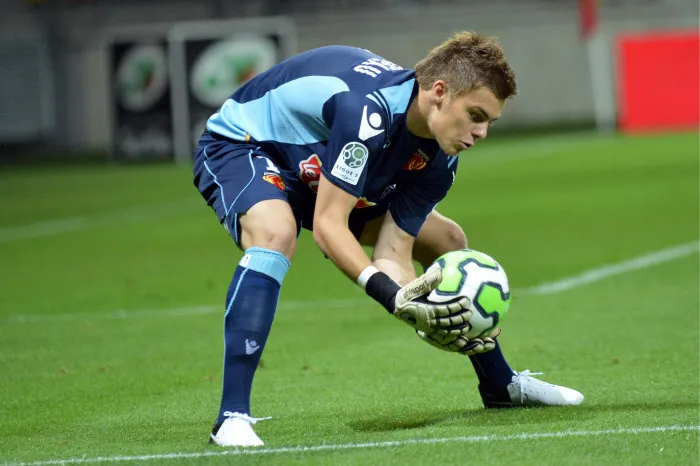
520,379
245,417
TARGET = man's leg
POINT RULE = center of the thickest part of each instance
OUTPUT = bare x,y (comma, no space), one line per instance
438,236
499,385
250,198
268,237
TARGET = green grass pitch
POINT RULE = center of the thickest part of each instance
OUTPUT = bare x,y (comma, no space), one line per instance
112,288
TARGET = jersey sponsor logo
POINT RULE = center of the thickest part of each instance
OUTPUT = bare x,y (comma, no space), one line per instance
370,127
276,180
417,162
310,172
364,202
351,162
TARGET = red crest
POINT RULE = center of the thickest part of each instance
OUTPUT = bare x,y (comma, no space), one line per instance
416,163
364,202
276,180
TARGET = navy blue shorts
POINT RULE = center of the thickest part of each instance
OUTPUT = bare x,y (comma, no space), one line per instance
234,176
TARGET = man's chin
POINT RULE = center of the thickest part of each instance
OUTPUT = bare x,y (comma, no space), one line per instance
451,151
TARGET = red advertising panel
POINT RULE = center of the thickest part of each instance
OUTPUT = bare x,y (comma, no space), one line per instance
659,81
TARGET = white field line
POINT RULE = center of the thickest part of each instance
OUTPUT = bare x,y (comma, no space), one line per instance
71,224
558,286
174,311
371,445
487,155
610,270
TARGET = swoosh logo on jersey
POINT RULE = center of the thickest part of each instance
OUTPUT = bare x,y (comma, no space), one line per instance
369,126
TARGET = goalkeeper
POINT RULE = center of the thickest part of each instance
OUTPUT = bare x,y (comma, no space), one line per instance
345,143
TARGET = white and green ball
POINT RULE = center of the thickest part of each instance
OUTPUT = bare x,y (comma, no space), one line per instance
477,276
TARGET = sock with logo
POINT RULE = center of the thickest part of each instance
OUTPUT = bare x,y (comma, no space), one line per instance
250,308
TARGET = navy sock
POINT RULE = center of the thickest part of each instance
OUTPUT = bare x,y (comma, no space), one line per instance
251,303
492,369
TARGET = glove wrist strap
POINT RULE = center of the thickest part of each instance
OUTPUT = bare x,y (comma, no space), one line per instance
365,275
382,289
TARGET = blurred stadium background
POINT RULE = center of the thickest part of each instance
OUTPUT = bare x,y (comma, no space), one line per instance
57,63
113,272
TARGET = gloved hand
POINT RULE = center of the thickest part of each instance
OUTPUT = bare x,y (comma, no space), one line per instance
460,343
449,319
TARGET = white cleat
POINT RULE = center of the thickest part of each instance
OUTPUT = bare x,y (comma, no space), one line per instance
525,390
236,431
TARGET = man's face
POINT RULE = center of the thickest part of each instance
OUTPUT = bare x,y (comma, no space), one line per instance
458,122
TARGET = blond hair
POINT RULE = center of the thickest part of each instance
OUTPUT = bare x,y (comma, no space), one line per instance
468,61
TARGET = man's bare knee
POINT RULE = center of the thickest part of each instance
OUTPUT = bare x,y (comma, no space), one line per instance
440,235
454,237
278,238
270,225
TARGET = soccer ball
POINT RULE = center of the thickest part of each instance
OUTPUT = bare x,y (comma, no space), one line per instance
477,276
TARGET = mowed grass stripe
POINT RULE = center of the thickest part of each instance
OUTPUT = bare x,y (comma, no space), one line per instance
564,284
496,154
78,223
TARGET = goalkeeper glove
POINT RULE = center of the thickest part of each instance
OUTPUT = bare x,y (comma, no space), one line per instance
460,343
409,304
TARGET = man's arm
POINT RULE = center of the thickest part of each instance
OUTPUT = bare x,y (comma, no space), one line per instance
334,238
349,151
393,252
331,231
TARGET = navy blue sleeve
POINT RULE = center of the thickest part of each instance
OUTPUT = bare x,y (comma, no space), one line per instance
358,128
414,201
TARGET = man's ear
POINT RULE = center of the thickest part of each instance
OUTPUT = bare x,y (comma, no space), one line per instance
439,93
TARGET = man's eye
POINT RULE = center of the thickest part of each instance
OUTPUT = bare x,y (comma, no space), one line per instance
476,118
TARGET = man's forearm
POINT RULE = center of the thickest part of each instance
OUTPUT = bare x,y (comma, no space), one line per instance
401,272
339,244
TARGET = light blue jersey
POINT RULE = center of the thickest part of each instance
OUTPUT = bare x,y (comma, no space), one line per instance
341,111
